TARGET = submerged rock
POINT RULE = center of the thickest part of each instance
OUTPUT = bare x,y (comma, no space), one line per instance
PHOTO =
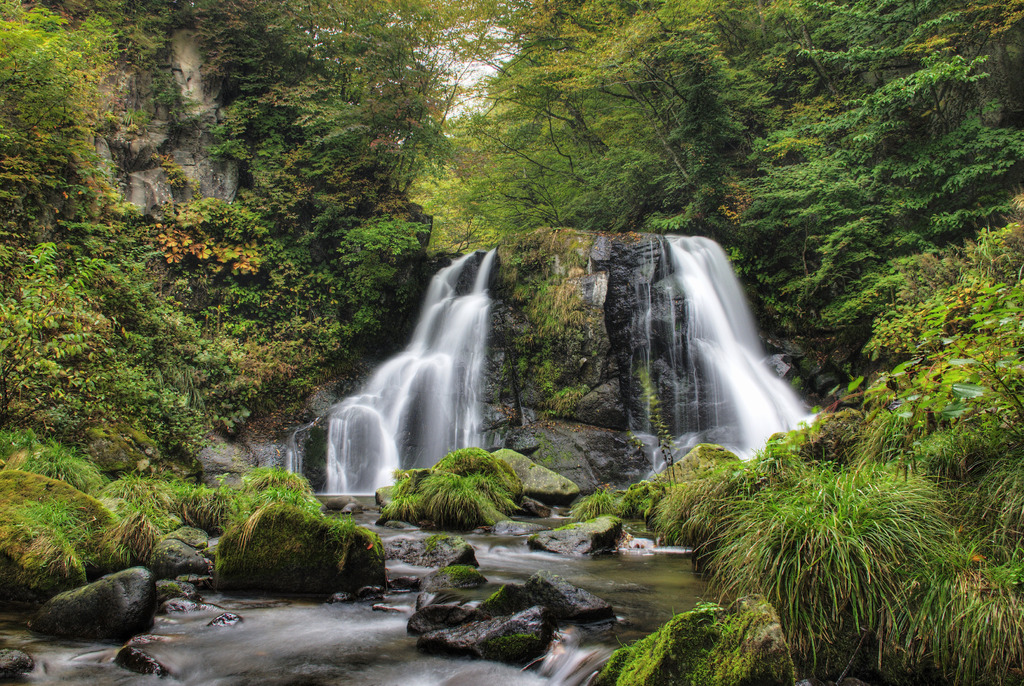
183,606
564,600
440,616
592,537
454,576
172,558
403,584
513,528
702,459
517,638
293,551
225,619
707,647
539,482
138,660
15,663
439,550
116,606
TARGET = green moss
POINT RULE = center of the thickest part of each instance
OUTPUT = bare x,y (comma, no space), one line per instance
451,500
504,601
468,461
512,648
50,534
285,548
435,540
599,503
639,500
458,576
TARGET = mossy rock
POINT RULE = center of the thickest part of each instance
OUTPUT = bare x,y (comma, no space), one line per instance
196,538
51,534
466,461
833,437
539,483
454,576
120,449
290,550
595,536
702,459
707,647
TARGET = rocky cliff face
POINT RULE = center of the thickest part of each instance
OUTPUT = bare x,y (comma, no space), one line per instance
161,152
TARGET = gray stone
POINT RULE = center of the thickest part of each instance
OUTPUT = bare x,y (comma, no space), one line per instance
167,589
223,461
513,528
190,536
564,600
171,558
116,606
603,407
138,660
517,639
434,617
592,537
184,606
15,663
455,576
539,482
439,550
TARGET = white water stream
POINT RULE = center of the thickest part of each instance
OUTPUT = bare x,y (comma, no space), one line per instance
423,402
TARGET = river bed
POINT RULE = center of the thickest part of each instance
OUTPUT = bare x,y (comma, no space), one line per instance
297,640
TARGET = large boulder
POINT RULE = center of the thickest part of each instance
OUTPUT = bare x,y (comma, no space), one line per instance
291,550
439,550
588,456
702,459
708,646
539,482
516,639
38,561
171,558
564,600
600,535
115,607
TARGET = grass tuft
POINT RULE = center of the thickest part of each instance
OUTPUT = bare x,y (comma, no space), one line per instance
601,502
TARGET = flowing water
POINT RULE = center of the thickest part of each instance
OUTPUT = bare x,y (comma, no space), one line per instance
707,363
423,402
295,640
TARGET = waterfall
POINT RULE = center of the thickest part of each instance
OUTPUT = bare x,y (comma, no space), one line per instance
423,402
705,359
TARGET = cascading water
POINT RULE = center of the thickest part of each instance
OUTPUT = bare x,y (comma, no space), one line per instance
704,358
423,402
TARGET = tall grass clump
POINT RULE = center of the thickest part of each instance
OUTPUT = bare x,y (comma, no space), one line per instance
837,553
469,461
209,509
640,499
262,478
21,450
601,502
451,501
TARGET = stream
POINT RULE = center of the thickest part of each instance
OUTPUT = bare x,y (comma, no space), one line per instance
297,640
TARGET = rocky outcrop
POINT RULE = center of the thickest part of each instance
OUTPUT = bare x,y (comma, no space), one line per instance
289,550
600,535
564,600
539,482
702,459
117,606
707,647
515,639
439,550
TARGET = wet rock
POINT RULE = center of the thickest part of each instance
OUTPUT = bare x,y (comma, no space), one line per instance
592,537
197,580
434,617
439,550
225,619
394,524
116,606
382,496
342,597
586,455
166,589
603,407
15,663
403,584
171,558
336,502
138,660
515,639
564,600
370,593
708,646
183,606
190,536
293,551
380,607
539,482
700,461
352,508
454,576
534,508
511,528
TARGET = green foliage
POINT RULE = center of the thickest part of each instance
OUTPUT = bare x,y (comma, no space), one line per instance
260,479
477,461
640,499
49,458
601,502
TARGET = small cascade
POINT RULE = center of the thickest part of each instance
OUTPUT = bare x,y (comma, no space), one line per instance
703,358
423,402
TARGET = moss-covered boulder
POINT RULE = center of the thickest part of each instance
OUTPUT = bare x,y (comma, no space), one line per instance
290,550
563,599
515,639
171,558
599,535
469,461
455,576
539,482
833,437
50,535
119,449
117,606
707,646
702,459
190,536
